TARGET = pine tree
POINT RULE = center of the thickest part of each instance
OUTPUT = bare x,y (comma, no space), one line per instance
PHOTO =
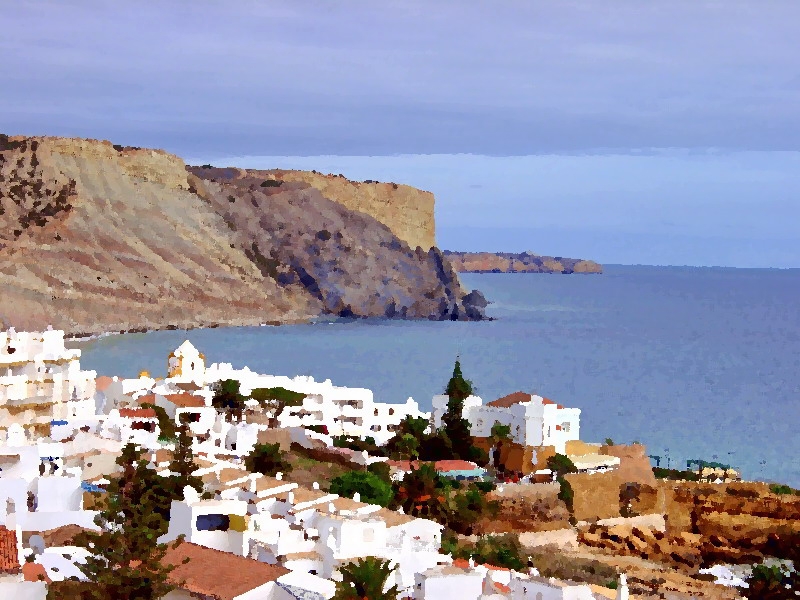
125,558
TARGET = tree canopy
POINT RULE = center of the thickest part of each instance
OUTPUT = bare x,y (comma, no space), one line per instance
371,487
227,398
267,459
276,399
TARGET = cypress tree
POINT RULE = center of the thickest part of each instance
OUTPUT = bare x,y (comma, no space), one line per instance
457,428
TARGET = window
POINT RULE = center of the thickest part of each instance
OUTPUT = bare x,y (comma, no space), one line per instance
213,523
391,411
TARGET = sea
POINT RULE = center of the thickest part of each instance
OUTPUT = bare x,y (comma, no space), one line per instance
695,363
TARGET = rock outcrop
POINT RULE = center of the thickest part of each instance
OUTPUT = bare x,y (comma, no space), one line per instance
98,237
506,262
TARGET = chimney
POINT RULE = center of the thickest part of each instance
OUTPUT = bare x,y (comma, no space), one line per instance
315,485
279,476
331,508
290,497
357,497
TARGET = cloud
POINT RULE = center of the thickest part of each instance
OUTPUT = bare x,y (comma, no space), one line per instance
404,77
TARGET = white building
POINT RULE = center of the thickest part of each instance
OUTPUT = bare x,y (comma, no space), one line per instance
534,420
341,410
42,381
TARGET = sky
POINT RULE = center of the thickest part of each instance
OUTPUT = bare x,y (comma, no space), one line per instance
629,132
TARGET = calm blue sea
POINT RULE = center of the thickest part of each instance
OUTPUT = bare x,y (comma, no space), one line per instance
693,362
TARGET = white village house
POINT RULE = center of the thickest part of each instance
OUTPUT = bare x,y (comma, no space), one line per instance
42,381
341,410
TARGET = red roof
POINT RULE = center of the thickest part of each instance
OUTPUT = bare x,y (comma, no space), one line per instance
35,572
218,575
186,400
137,413
510,400
9,559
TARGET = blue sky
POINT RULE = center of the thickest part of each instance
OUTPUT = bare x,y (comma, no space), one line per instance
632,132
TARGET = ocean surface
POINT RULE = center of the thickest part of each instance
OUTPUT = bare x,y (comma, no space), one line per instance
693,362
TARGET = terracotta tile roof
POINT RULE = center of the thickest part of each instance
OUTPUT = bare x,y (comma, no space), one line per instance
137,413
102,383
186,400
510,400
217,575
147,399
35,572
9,560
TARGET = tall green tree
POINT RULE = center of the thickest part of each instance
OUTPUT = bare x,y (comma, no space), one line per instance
276,400
455,426
365,579
228,399
125,560
182,463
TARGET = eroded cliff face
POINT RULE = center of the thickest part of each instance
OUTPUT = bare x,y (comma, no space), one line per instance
406,211
525,262
98,237
346,260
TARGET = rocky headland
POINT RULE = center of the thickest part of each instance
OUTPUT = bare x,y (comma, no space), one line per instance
97,237
525,262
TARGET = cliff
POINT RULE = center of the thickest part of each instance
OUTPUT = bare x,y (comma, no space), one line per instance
99,237
505,262
347,260
407,211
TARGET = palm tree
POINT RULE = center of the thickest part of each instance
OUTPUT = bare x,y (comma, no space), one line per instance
365,579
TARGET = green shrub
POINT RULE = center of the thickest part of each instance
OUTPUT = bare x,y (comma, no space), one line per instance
371,488
781,489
